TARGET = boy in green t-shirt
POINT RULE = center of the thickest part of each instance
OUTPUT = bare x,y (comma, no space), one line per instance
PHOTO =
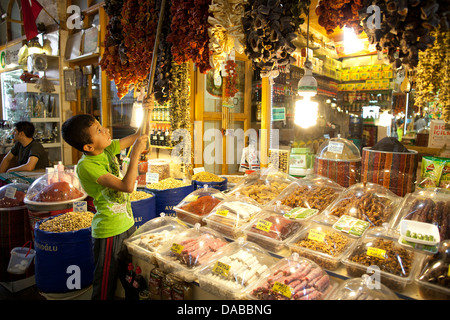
99,175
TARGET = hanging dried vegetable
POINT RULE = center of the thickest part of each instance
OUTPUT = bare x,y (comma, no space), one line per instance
405,27
433,74
226,32
161,85
230,79
269,27
189,32
339,13
180,116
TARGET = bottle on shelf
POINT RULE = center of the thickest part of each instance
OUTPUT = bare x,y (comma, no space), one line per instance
129,278
152,133
166,139
154,138
138,284
162,138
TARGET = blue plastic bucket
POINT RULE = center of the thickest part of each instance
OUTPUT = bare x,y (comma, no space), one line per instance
144,210
64,261
221,186
166,200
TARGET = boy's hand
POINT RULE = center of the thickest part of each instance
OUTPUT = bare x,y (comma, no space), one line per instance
139,145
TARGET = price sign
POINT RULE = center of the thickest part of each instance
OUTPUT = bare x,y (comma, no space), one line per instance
316,235
191,198
151,177
197,170
80,206
176,248
263,225
335,147
222,213
282,289
10,192
377,253
221,269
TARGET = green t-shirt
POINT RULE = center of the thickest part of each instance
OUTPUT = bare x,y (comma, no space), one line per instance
114,214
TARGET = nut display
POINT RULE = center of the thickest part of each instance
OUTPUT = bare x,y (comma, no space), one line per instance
66,222
139,195
313,197
161,167
168,183
206,177
263,192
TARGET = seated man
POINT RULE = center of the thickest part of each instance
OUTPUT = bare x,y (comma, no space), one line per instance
30,154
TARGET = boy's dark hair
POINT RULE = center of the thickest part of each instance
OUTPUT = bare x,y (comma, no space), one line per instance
75,130
26,127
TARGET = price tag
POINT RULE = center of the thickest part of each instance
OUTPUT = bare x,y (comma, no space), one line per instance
316,235
222,213
263,225
10,192
335,147
448,273
80,206
282,289
176,248
197,170
191,198
221,269
151,177
377,253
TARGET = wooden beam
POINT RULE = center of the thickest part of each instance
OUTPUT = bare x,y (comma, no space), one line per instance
265,122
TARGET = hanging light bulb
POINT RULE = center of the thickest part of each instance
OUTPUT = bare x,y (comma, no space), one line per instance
351,42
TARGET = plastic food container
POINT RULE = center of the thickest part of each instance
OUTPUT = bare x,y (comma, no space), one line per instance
263,185
340,160
368,202
232,180
383,254
322,244
236,268
428,206
313,192
362,289
230,216
198,204
153,237
55,189
293,278
12,196
433,279
271,230
189,251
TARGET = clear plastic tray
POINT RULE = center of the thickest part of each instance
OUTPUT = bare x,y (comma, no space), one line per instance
263,185
432,278
293,278
236,268
382,253
199,203
338,149
426,205
230,216
312,192
12,196
366,201
189,251
271,230
322,244
362,289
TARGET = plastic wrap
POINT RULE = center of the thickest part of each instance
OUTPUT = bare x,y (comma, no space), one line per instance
340,160
153,236
431,205
232,180
395,171
433,278
45,189
12,196
195,206
293,278
362,289
189,251
365,201
313,192
435,172
230,216
263,185
159,166
323,245
271,230
236,268
382,253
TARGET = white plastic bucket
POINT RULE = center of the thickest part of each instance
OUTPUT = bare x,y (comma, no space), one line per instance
20,260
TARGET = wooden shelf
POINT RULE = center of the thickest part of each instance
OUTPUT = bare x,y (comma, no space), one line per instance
160,147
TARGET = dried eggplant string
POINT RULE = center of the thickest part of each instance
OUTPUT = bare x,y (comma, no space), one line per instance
332,14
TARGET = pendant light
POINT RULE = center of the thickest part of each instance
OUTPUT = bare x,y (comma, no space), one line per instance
306,110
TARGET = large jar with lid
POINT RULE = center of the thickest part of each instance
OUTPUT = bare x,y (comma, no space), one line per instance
340,160
301,162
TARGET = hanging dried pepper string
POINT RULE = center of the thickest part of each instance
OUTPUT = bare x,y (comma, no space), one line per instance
231,79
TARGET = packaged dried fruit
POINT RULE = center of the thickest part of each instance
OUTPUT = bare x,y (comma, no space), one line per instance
230,216
235,269
199,203
293,278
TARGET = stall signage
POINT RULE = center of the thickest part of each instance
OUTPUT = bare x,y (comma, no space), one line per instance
438,134
10,56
